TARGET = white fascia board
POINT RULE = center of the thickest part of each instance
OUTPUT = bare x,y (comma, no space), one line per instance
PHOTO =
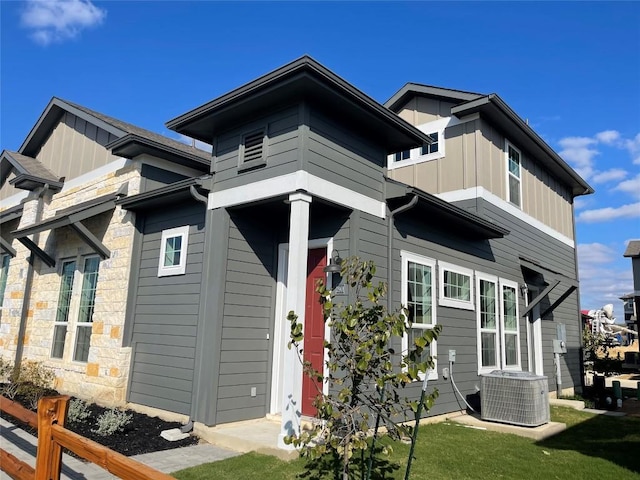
480,192
293,182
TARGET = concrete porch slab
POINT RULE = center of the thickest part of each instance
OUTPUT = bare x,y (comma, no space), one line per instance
536,433
260,435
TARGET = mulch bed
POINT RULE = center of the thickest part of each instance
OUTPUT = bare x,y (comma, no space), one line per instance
140,435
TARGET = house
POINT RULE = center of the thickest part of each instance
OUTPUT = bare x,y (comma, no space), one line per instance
450,193
66,246
466,212
632,300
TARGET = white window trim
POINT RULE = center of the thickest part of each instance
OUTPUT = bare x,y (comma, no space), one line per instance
507,283
489,278
405,258
500,328
452,302
508,175
72,309
437,126
78,324
182,266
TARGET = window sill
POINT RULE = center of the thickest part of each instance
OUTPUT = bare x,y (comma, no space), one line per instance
461,304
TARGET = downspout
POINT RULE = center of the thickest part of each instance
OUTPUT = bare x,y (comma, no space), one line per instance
26,300
392,213
197,196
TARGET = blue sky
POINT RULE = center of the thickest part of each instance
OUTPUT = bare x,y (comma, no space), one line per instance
572,69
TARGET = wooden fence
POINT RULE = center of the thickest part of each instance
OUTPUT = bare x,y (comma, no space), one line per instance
53,437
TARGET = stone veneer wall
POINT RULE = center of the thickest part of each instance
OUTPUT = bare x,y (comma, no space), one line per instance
103,378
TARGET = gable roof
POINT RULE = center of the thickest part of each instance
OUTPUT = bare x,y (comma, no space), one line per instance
57,106
29,172
496,110
412,89
302,79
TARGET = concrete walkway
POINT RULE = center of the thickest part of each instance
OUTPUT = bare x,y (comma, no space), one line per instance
23,446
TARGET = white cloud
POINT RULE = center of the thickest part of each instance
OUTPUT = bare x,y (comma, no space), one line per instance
609,175
58,20
604,277
578,151
631,186
190,141
631,210
582,202
608,136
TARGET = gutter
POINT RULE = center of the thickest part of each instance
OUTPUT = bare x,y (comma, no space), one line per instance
26,300
403,208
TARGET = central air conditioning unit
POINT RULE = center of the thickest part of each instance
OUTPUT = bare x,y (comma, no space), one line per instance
518,398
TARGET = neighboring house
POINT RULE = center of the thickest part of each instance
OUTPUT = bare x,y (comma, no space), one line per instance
632,300
467,213
66,247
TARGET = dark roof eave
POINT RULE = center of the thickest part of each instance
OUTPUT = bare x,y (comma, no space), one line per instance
11,213
493,104
163,195
412,89
300,66
32,182
131,145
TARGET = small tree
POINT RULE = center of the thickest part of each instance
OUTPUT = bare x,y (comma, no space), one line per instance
364,372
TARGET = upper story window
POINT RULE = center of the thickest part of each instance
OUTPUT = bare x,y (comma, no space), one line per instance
433,147
456,286
418,296
514,183
253,149
434,150
4,273
173,251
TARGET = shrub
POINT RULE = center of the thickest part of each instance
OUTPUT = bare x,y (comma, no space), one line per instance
78,411
111,421
34,382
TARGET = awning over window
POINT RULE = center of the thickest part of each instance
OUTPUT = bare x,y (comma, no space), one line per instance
72,217
6,216
554,280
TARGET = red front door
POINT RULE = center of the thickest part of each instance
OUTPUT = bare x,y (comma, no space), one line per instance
313,347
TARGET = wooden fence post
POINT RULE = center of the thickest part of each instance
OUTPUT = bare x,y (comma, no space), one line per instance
49,454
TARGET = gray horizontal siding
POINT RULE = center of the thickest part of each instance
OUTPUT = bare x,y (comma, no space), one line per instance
282,150
247,323
498,257
343,158
165,318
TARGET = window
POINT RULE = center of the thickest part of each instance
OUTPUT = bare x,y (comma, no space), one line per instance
73,306
404,155
418,296
433,148
64,306
4,273
456,286
252,149
498,324
173,251
87,304
514,185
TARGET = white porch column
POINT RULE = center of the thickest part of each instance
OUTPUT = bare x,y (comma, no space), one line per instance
295,300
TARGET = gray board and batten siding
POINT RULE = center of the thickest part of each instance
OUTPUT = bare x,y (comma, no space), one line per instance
165,317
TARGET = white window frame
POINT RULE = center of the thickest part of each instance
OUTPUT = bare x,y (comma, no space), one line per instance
499,332
180,268
70,308
415,156
509,175
405,258
494,331
4,275
509,284
454,302
87,323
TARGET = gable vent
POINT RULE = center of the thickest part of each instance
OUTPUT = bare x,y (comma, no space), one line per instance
253,146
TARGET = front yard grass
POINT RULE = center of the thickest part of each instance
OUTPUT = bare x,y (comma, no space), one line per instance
593,446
